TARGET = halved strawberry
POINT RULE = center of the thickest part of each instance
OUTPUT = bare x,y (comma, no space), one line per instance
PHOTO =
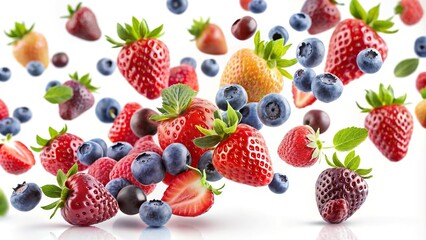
302,99
15,157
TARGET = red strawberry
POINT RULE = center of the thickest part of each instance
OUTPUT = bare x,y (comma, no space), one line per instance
410,11
302,99
123,170
335,211
184,74
143,60
241,154
420,82
101,168
60,151
245,4
324,14
82,23
146,144
83,200
120,130
181,113
189,194
15,157
209,37
389,123
300,147
4,111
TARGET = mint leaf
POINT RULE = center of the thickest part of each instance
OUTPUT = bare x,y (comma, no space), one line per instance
349,138
406,67
58,94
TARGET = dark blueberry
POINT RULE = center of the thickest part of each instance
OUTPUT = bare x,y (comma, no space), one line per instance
205,163
369,60
175,158
107,109
115,185
278,32
23,114
300,21
327,87
155,213
60,59
273,110
106,66
303,79
233,94
190,61
52,84
148,168
118,150
257,6
317,119
89,152
177,6
244,28
25,196
279,183
5,74
10,125
101,143
310,52
210,67
141,124
130,199
249,116
35,68
420,46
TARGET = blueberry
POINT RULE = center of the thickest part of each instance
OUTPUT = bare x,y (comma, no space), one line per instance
106,66
279,183
317,119
369,60
210,67
175,158
130,199
278,32
89,152
23,114
420,46
249,116
148,168
35,68
257,6
303,79
189,61
141,124
155,213
115,185
60,59
205,163
101,143
52,84
233,94
300,21
118,150
177,6
10,125
107,109
310,52
273,110
25,196
327,87
5,74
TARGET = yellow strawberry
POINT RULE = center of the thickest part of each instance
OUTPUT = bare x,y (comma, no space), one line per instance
420,109
259,71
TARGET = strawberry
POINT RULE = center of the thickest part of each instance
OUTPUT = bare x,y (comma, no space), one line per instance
181,112
15,157
245,4
341,189
389,123
420,112
302,99
146,144
83,200
259,71
4,111
60,151
120,130
189,194
143,60
101,168
123,170
324,14
241,154
82,23
409,11
28,45
184,74
420,82
208,37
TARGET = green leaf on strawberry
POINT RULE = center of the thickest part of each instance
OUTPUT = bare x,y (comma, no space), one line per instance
349,138
385,97
71,10
198,27
53,134
406,67
18,32
371,17
352,162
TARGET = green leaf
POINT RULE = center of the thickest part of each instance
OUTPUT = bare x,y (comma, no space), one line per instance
422,92
256,42
64,194
59,94
286,63
285,73
41,141
219,127
363,172
406,67
357,10
329,163
349,157
61,178
354,163
349,138
52,132
268,50
232,116
336,161
204,131
382,25
4,203
400,100
207,141
73,170
373,14
51,206
51,191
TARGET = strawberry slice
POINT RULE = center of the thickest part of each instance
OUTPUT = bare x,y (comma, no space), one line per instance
302,99
15,157
189,194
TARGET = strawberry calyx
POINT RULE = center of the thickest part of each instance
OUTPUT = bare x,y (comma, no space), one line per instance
58,191
18,32
351,162
273,52
204,182
384,97
84,80
371,17
198,27
42,142
132,33
71,10
314,142
176,100
398,9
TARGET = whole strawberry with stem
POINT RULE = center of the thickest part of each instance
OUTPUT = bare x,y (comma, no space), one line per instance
240,153
389,123
83,200
208,37
82,23
410,11
59,152
324,14
15,157
143,60
120,130
341,190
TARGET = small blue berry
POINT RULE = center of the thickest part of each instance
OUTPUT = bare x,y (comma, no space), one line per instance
10,125
273,110
420,46
107,109
177,6
233,94
106,66
148,168
278,32
5,74
25,197
52,84
155,213
327,87
189,60
35,68
257,6
210,67
118,150
175,158
205,163
369,60
303,79
89,152
300,21
23,114
101,143
310,52
249,116
279,183
115,185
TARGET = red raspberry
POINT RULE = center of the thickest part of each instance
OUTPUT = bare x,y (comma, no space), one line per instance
101,168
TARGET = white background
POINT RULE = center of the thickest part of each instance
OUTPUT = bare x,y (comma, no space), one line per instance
394,209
